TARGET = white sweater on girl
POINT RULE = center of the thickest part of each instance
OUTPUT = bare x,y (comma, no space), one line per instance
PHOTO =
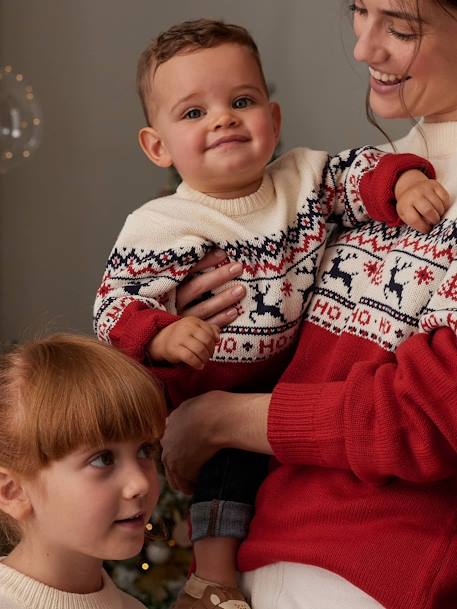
18,591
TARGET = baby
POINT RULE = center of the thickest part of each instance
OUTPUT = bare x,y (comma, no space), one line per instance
209,115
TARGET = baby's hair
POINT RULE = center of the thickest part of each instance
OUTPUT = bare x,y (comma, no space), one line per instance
184,38
65,392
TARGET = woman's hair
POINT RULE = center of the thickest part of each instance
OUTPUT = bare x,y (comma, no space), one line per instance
184,38
65,392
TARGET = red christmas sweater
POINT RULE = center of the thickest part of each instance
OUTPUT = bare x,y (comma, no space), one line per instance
363,424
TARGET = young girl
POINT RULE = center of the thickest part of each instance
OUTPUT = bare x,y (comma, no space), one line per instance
78,481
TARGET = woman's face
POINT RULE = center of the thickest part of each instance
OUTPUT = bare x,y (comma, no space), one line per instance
410,56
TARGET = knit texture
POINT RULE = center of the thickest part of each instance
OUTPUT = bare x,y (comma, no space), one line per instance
17,591
279,235
364,422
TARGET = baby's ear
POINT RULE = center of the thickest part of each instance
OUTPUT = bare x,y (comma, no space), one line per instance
13,498
154,147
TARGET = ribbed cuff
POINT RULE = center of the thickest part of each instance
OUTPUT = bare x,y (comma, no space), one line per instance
305,424
137,327
377,187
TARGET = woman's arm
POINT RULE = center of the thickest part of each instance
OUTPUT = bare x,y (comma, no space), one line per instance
395,419
203,425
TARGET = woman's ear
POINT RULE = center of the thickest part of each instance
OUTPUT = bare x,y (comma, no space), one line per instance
275,109
13,498
154,148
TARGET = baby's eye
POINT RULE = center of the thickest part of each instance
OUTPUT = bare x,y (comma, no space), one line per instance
193,113
242,102
104,459
147,451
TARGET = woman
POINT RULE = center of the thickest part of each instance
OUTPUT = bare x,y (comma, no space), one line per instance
359,509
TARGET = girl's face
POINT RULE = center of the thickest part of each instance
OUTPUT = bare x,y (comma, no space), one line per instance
410,56
94,503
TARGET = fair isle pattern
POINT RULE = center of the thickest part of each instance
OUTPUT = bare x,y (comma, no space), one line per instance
279,268
386,284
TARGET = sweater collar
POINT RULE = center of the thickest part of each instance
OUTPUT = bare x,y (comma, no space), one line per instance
232,207
32,594
440,138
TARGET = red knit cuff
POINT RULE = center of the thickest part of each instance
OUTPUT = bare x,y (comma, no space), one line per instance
377,187
137,327
305,424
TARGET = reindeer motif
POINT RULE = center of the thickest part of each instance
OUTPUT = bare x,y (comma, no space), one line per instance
265,309
313,272
394,286
336,272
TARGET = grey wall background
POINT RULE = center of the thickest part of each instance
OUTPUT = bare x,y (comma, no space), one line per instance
61,211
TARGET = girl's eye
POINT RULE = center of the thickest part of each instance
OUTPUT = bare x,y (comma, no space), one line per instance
193,113
242,102
357,9
402,36
147,451
104,459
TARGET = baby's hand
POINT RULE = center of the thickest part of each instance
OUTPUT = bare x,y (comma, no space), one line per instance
421,202
189,340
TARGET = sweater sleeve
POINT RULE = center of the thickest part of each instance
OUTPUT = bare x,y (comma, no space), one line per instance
137,296
359,184
377,187
398,419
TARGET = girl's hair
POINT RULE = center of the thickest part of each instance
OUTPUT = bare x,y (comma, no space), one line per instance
65,392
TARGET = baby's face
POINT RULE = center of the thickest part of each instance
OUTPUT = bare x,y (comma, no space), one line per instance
214,119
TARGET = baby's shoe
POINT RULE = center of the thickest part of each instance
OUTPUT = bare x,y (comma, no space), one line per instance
200,593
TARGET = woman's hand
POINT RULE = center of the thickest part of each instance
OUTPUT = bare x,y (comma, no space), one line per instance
203,425
219,309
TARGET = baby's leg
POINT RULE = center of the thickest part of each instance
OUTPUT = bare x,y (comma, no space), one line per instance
220,515
215,559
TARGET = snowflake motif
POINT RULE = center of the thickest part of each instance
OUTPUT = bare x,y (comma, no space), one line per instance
449,289
104,290
272,248
239,309
115,261
287,288
374,271
247,346
424,275
399,333
165,257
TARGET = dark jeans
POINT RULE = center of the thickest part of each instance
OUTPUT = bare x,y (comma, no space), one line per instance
223,502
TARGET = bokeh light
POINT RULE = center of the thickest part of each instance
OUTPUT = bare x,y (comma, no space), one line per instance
21,121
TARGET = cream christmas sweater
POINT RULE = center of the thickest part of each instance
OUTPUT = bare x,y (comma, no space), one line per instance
17,591
278,234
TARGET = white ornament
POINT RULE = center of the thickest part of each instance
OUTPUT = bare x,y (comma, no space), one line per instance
158,552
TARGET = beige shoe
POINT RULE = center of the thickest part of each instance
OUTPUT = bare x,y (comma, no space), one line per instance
200,593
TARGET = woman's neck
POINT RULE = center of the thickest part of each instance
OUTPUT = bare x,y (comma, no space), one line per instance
57,568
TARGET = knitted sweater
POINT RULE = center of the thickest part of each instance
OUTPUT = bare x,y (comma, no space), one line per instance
279,235
364,422
17,591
